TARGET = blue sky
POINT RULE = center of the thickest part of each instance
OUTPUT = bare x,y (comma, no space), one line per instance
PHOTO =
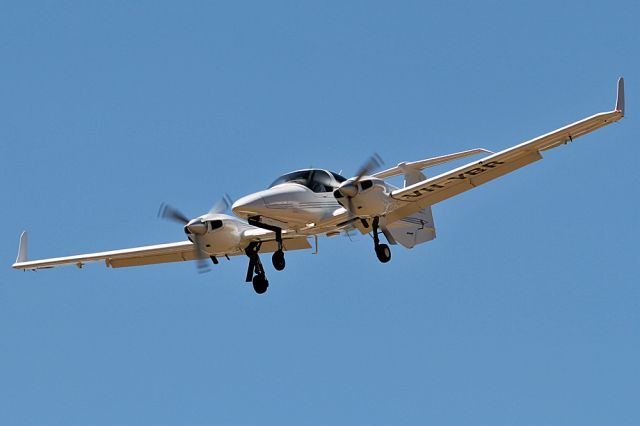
524,310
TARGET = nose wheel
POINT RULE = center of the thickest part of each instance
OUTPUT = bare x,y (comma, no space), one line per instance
383,252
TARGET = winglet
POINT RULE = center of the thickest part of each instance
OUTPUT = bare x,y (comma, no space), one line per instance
22,249
620,97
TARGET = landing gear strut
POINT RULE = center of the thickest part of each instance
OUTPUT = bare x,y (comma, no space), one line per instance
260,282
383,252
278,256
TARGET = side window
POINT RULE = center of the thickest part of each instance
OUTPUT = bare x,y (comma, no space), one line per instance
321,181
366,184
301,177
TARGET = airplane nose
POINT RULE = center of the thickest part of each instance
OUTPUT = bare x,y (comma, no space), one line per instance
196,226
250,205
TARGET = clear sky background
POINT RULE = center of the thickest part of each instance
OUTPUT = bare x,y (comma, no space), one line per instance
524,310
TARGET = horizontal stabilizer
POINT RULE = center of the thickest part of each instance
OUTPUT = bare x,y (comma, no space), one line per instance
402,168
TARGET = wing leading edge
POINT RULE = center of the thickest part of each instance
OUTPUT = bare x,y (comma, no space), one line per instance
439,188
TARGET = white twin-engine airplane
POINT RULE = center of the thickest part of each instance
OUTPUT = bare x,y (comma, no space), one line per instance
314,202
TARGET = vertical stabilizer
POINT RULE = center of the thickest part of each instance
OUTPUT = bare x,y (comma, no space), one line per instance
412,175
22,249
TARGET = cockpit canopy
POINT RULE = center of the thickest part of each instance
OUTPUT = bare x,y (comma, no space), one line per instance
315,179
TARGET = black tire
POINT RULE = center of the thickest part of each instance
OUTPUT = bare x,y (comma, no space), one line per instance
278,260
260,284
383,252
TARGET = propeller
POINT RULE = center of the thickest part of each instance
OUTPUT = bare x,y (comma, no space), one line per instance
195,228
168,212
222,205
349,188
370,165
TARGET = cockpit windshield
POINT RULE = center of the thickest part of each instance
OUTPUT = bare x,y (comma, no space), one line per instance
315,179
337,177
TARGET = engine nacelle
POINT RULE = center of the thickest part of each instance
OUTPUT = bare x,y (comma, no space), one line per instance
221,234
368,197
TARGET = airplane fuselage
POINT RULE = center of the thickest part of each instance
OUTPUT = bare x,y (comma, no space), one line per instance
297,203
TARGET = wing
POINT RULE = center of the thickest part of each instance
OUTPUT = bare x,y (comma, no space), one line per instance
148,255
454,182
160,253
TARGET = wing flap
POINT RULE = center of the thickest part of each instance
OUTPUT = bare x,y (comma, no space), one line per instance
269,244
122,262
288,244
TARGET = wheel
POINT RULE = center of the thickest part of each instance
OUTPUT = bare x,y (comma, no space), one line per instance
383,252
278,260
260,284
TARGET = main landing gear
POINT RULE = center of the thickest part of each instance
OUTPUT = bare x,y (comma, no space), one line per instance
383,252
255,271
259,280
